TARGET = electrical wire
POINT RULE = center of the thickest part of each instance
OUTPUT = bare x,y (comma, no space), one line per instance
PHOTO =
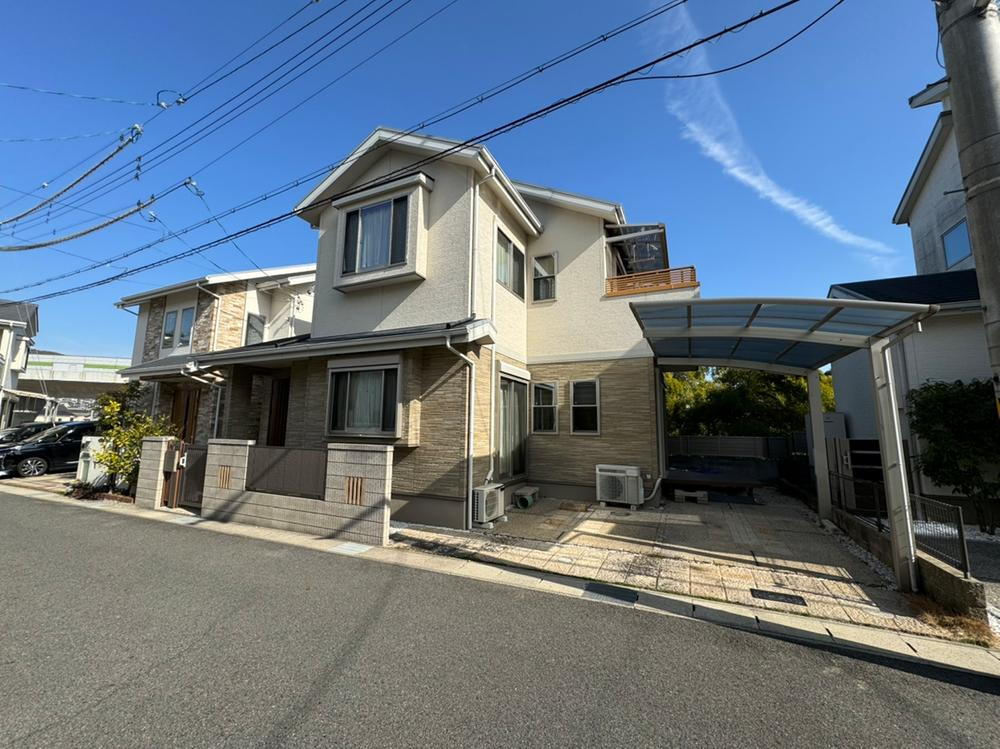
452,111
410,168
133,136
82,210
737,66
107,99
55,138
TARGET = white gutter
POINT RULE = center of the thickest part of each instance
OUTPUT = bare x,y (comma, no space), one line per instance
469,432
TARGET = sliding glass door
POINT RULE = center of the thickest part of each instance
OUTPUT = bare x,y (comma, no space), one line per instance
513,422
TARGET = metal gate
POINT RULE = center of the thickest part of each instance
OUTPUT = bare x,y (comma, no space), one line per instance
185,485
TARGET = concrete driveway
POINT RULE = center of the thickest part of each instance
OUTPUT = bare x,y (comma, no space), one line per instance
772,555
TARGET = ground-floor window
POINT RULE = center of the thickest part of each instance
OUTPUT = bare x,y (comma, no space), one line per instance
544,416
364,400
513,420
585,413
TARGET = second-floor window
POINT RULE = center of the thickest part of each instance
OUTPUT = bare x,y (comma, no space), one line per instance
510,265
174,335
375,236
255,329
543,278
957,246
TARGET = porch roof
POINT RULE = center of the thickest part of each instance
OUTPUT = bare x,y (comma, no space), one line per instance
166,366
790,335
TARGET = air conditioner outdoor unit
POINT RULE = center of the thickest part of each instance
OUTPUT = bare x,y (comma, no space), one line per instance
487,503
619,485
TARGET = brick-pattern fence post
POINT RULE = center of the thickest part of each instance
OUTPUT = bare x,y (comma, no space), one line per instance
358,489
152,461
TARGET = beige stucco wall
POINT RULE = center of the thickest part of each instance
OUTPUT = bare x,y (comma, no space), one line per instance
581,323
509,314
441,297
627,415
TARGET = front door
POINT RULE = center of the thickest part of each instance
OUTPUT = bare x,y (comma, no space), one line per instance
184,412
277,418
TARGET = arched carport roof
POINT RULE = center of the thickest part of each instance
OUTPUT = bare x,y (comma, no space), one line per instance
787,335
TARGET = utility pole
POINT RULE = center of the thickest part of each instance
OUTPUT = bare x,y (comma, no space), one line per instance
970,41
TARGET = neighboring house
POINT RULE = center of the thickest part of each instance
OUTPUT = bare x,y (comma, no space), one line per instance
66,386
480,326
933,204
177,323
18,328
952,343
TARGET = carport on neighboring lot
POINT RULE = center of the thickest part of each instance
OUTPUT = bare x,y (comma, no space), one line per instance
799,337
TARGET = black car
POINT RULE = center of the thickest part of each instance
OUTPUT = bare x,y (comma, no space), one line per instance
56,449
14,435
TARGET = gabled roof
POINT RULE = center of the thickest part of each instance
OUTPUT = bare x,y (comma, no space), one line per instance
22,312
931,288
928,158
370,150
611,212
303,273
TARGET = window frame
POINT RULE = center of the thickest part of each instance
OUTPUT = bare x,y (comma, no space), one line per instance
514,381
596,405
944,245
181,342
333,371
554,386
555,271
263,329
357,210
173,329
508,261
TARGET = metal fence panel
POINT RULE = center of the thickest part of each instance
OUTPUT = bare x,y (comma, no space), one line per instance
728,446
299,472
938,530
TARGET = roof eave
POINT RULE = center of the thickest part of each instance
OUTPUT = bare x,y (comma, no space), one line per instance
928,157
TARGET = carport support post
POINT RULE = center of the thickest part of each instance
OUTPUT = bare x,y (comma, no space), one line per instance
897,495
818,430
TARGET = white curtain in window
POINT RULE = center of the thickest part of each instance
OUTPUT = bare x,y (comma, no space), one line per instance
376,224
364,399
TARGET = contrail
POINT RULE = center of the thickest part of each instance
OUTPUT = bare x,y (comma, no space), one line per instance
708,121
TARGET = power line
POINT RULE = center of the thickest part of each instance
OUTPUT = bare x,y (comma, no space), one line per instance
745,63
25,193
112,176
410,168
54,138
106,99
440,117
133,136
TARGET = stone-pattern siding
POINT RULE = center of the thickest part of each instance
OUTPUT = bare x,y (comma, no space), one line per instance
355,506
232,314
628,422
154,329
204,323
149,487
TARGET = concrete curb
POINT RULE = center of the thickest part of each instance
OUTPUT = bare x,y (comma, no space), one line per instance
838,636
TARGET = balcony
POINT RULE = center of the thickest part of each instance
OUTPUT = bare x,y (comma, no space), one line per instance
646,282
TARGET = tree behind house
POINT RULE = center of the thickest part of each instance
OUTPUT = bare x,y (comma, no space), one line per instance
960,441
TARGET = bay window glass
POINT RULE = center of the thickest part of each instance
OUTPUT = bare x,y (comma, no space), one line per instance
375,236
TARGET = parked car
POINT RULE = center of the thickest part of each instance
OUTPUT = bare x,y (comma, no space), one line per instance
17,434
56,449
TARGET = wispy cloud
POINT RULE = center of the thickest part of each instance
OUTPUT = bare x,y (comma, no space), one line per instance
708,121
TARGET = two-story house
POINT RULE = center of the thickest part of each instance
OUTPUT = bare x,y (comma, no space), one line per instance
177,323
479,325
18,328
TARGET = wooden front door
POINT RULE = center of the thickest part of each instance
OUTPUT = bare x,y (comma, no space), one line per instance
277,417
184,412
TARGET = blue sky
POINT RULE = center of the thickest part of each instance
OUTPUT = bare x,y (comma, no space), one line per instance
777,179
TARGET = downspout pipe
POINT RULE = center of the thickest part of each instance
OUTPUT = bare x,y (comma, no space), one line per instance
470,426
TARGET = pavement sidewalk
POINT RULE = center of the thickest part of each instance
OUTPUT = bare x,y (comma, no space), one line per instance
811,631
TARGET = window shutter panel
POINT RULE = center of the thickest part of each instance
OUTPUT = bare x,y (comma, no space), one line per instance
400,217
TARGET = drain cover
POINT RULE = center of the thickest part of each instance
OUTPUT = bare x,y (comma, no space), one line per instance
624,595
770,595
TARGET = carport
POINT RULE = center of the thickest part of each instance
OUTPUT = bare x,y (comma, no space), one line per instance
799,337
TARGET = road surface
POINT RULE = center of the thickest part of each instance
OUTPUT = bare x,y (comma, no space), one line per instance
118,631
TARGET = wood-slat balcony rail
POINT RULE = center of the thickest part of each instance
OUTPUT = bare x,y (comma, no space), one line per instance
649,281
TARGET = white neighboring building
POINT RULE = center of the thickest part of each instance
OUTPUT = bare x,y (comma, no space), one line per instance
18,328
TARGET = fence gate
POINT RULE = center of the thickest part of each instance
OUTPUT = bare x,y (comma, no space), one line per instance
186,484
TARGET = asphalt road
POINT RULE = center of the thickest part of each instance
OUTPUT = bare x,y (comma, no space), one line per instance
116,631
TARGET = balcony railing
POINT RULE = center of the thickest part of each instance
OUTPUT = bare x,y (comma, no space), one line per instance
650,281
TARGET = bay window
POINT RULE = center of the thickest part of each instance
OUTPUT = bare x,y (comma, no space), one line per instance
375,236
